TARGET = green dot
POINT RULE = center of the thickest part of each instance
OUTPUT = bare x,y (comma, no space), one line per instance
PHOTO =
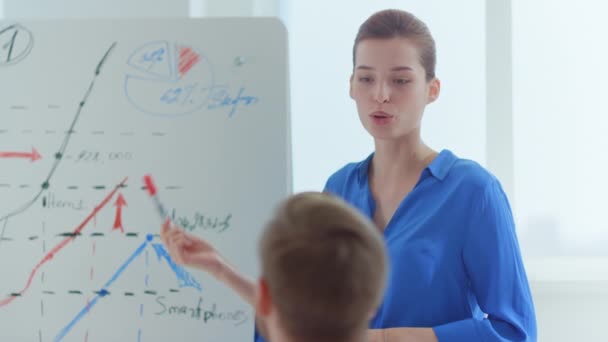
58,155
45,185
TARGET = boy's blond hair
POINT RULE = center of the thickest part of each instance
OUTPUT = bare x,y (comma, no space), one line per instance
325,265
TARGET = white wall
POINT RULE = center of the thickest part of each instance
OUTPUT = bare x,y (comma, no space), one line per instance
560,92
326,129
571,311
499,90
91,8
137,8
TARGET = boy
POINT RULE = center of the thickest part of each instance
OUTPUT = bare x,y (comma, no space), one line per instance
324,268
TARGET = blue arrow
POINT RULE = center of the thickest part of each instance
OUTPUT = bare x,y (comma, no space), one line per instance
185,279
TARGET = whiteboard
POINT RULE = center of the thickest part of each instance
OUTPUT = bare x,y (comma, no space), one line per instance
86,109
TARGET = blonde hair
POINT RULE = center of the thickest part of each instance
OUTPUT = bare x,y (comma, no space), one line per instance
325,265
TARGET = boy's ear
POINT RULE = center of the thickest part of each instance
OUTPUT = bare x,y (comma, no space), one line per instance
263,302
350,88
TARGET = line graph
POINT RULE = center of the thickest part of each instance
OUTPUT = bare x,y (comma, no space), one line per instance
63,147
62,244
184,279
89,110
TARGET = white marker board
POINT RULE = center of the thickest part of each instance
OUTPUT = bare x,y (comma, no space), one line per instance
88,105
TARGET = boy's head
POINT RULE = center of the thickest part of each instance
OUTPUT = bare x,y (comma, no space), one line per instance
324,268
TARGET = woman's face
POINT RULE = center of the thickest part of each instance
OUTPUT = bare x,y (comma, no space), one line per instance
390,88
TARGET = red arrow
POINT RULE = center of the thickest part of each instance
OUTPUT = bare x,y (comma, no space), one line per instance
61,245
34,155
120,202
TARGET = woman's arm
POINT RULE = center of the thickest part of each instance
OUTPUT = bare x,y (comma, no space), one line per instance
497,277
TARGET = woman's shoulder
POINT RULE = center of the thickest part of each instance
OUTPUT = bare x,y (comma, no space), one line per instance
471,173
346,170
347,175
468,179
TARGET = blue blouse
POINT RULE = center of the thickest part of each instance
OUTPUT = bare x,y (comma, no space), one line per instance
455,263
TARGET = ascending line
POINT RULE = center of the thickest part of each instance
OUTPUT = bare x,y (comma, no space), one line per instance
63,243
184,278
62,148
102,293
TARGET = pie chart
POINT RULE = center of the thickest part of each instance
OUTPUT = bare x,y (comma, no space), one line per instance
168,79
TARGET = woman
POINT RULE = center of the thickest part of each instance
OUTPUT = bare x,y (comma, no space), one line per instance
456,269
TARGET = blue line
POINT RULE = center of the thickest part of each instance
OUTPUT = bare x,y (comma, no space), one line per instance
82,312
102,293
124,266
141,310
185,279
139,335
147,267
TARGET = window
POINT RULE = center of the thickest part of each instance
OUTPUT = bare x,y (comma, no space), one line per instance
560,126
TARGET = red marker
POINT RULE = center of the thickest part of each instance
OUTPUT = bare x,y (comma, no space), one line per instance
152,191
